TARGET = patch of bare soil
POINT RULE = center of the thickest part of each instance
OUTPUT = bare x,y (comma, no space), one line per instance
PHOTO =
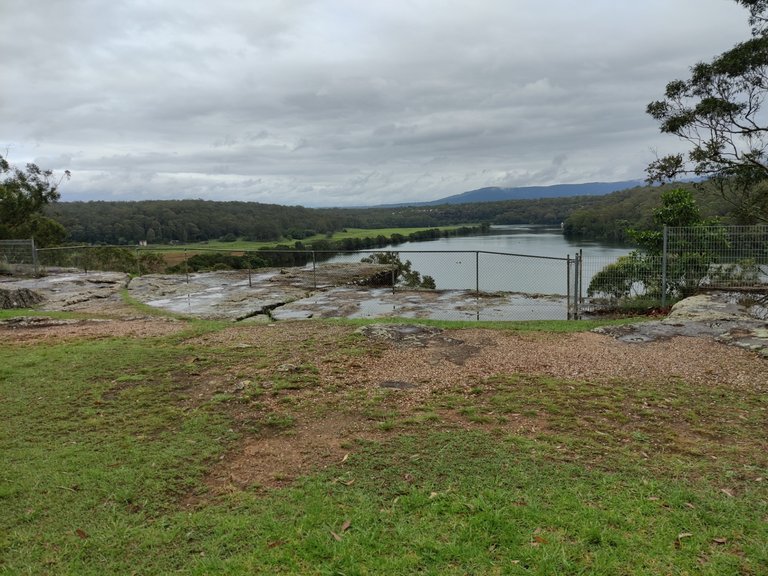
484,353
327,387
34,329
276,459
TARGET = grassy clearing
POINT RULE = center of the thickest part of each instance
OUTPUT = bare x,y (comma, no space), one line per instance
107,449
340,235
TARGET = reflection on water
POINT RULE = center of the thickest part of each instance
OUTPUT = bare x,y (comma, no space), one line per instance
505,261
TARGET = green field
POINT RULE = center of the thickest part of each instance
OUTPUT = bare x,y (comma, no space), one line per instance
110,448
347,233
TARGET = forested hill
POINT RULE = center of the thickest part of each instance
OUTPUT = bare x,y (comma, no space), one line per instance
164,221
609,217
496,194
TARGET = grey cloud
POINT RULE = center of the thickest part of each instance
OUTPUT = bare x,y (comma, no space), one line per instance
323,102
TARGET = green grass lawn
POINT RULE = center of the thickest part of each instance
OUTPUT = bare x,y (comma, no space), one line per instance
105,458
340,235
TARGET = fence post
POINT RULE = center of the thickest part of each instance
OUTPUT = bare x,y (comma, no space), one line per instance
314,270
138,262
186,266
34,257
664,267
581,276
477,272
577,285
568,286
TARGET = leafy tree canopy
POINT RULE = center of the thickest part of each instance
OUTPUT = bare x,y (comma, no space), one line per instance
719,112
23,195
638,274
678,208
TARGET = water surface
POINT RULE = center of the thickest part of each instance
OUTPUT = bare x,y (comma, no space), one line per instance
520,258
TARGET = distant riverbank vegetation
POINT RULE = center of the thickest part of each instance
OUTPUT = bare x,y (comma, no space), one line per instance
250,225
241,255
611,218
193,221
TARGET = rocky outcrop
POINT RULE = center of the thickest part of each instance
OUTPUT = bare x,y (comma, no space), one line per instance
727,317
19,298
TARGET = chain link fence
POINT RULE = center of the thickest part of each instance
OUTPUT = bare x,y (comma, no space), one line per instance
715,257
18,257
458,285
690,259
478,285
630,282
447,285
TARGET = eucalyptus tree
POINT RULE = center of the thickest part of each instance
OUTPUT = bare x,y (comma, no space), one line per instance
719,111
23,195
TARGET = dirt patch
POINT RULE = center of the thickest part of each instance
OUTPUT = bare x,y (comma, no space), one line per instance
31,330
350,386
275,460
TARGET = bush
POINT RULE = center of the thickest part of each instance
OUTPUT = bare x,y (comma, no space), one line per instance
219,261
410,278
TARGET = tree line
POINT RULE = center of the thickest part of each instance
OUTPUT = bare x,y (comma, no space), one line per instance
186,221
28,208
612,218
173,221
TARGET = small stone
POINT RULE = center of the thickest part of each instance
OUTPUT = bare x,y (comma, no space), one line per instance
397,385
288,368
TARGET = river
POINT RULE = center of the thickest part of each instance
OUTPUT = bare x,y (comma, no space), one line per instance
520,258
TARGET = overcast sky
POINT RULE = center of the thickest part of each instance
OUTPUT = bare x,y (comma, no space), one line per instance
343,102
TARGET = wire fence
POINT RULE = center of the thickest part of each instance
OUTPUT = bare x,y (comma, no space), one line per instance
715,257
449,285
689,260
18,257
469,284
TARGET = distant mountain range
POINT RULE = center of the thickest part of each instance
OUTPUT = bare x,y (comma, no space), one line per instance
496,194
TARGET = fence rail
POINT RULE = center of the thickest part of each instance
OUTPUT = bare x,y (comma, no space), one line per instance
504,285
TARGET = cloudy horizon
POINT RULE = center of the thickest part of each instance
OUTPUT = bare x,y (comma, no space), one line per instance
343,103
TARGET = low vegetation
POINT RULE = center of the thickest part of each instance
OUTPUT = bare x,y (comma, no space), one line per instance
240,254
121,456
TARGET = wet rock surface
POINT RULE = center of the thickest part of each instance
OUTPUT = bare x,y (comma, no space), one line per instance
23,322
240,295
335,291
71,291
344,290
402,334
355,302
397,385
220,295
730,318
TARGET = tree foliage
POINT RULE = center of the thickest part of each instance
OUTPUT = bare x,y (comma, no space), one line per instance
23,195
404,271
169,221
719,112
612,217
639,273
